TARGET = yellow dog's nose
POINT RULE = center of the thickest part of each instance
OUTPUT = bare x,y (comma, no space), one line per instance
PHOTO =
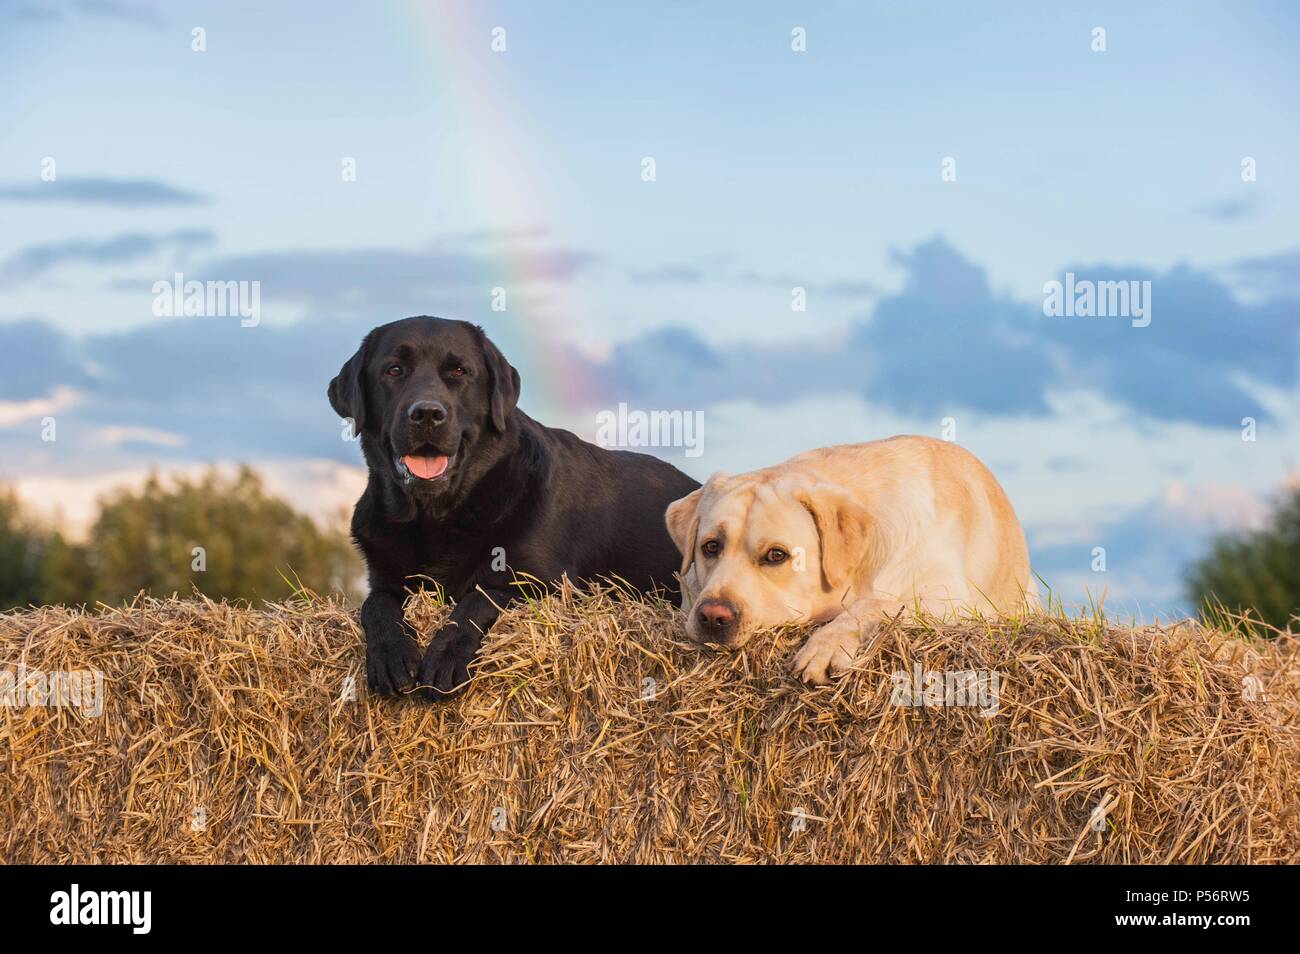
716,619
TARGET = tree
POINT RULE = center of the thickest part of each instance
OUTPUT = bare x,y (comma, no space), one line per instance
1257,572
23,545
37,565
228,538
68,577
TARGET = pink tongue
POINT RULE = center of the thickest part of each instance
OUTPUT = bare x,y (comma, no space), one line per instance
426,468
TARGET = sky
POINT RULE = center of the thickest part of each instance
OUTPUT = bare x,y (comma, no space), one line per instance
853,213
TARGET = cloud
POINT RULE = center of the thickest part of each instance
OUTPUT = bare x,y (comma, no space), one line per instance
102,191
947,342
128,247
325,275
1235,209
1194,360
191,388
667,275
133,13
137,13
1147,547
185,388
16,412
1269,275
719,268
176,389
35,359
1062,464
35,12
115,436
373,282
839,288
944,343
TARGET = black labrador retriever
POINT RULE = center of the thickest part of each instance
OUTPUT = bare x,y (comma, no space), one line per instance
469,491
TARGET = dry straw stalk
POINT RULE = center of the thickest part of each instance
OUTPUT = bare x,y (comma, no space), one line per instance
594,733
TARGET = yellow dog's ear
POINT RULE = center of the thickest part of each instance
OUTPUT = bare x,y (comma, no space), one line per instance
843,531
683,519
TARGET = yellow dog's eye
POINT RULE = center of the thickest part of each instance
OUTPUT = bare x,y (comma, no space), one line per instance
711,548
775,555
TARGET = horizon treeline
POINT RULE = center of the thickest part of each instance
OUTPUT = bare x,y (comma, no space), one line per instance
224,536
228,538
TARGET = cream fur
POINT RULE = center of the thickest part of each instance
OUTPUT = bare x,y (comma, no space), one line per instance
873,530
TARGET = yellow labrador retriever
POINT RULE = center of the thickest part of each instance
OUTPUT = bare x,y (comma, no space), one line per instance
845,536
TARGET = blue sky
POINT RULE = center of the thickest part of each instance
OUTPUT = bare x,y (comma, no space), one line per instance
821,170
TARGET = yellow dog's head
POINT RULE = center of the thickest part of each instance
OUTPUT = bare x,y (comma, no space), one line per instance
760,550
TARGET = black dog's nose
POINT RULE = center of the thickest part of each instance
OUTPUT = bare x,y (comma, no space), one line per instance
717,619
427,412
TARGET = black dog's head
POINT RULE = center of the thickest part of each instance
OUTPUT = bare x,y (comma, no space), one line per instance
431,399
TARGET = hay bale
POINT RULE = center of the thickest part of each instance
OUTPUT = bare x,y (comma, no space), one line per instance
594,733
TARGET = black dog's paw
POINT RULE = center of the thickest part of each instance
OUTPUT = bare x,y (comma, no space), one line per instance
391,665
445,668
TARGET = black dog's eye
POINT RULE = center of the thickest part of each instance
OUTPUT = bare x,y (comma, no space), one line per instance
775,556
393,370
456,372
711,548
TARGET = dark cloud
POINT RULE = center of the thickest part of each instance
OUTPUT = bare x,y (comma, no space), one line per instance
1236,209
379,275
137,13
1276,276
947,342
118,192
1148,549
35,359
234,392
1190,362
35,12
134,13
229,391
944,343
123,249
675,368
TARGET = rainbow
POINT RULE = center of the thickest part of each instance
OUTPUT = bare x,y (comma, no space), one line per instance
492,136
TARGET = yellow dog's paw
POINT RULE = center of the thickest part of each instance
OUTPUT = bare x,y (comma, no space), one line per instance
829,652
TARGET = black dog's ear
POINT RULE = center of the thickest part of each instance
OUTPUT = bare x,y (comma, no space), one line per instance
347,392
505,382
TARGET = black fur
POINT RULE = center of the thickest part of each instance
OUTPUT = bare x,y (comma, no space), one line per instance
552,503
